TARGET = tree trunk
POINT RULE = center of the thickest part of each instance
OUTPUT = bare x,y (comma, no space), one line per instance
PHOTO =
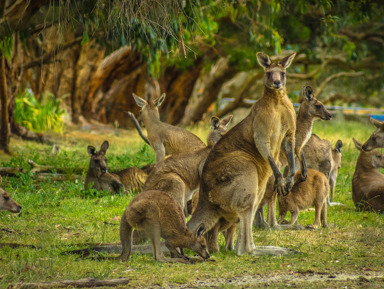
4,125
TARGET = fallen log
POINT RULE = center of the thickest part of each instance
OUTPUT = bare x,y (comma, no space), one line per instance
57,177
36,168
11,171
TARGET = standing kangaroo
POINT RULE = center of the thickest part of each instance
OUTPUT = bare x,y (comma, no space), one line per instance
6,202
179,174
310,109
164,138
238,167
312,192
130,179
160,215
376,140
336,164
368,181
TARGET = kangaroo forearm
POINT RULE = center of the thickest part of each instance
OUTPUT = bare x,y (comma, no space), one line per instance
289,149
138,128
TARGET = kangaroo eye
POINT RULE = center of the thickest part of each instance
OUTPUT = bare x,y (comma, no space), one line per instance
6,198
283,74
268,74
373,138
318,106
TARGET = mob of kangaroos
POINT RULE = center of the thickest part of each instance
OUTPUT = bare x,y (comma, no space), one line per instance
237,169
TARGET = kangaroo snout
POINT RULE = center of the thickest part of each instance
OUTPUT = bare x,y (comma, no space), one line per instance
277,83
328,116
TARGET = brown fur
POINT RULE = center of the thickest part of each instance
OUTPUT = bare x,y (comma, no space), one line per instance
6,202
336,164
164,138
160,215
368,182
179,174
376,140
130,179
312,192
238,167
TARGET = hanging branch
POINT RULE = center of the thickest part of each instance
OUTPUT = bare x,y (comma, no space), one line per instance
181,35
334,76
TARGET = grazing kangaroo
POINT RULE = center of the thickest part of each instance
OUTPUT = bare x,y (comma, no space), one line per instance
160,215
164,138
312,192
179,174
368,181
238,167
6,202
130,179
376,140
310,109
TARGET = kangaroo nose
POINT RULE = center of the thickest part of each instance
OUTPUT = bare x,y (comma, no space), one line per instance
277,82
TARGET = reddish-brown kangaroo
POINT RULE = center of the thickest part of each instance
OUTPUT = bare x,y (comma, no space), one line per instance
164,138
368,182
376,140
160,215
179,174
6,202
237,169
312,192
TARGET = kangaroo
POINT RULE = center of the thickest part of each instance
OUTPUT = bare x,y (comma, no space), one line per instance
165,139
312,192
160,215
368,181
129,179
310,109
336,164
6,202
179,174
376,140
237,169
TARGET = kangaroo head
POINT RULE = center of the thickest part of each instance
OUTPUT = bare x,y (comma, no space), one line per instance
274,77
336,154
376,140
313,106
199,245
371,159
98,162
218,129
6,202
149,110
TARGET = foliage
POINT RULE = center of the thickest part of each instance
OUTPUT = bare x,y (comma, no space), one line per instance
39,116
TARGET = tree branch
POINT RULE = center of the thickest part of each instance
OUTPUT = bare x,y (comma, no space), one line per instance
333,77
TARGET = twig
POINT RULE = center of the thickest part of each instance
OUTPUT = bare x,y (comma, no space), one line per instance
334,76
181,35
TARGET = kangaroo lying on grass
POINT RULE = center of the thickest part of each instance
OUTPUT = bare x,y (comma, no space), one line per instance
238,167
6,202
160,215
164,138
130,179
179,174
376,140
312,192
368,181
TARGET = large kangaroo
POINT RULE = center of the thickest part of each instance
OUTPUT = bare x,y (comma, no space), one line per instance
129,179
312,192
179,174
164,138
368,182
376,140
237,169
160,215
6,202
310,109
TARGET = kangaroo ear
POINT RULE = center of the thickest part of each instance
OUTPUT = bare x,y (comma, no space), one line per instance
378,124
308,92
263,59
139,101
287,61
158,101
215,122
225,121
339,145
200,230
104,146
91,150
357,144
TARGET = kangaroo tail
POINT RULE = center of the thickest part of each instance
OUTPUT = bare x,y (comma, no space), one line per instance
125,238
137,126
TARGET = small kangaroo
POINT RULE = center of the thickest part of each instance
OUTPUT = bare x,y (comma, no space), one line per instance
368,181
179,174
165,139
376,140
310,110
336,164
129,179
238,167
160,215
6,202
312,192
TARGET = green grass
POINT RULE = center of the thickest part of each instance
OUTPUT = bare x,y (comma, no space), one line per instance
62,216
